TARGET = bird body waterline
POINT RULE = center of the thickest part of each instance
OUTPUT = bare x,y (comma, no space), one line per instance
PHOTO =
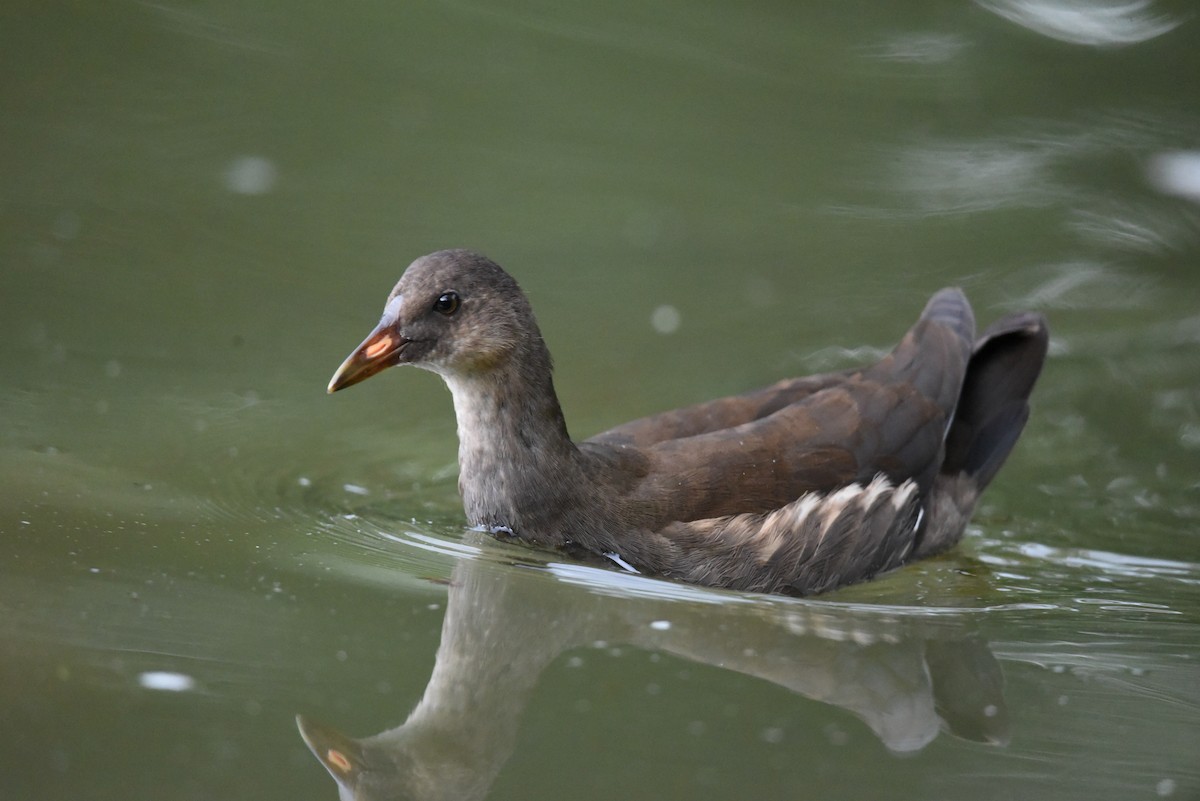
799,487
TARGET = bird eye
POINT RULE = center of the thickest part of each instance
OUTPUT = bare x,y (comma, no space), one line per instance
447,303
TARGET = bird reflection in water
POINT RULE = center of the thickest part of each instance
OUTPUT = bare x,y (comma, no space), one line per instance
905,676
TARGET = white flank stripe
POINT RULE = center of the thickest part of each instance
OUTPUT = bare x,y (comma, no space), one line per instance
835,504
802,508
903,493
621,563
878,486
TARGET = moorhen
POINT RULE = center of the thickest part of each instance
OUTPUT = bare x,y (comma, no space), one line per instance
800,487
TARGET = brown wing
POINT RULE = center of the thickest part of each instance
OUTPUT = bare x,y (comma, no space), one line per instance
719,414
890,418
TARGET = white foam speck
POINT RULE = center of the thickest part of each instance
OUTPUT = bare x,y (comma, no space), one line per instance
355,489
666,319
250,175
660,625
1177,173
167,681
1189,435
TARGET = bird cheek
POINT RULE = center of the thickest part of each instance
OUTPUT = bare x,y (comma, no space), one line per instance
416,351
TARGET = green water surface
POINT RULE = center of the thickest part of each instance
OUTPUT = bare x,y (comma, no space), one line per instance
202,208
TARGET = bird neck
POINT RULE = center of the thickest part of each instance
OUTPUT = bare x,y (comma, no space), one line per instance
515,456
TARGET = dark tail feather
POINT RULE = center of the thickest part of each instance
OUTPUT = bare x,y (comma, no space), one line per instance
994,403
932,357
949,307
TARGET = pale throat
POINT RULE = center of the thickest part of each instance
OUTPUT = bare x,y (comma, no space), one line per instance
512,446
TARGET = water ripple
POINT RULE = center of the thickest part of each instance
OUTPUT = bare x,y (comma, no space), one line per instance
1098,24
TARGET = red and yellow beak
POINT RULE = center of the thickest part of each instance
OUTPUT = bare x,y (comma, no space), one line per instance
379,351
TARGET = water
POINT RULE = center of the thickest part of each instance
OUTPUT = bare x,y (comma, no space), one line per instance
204,205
